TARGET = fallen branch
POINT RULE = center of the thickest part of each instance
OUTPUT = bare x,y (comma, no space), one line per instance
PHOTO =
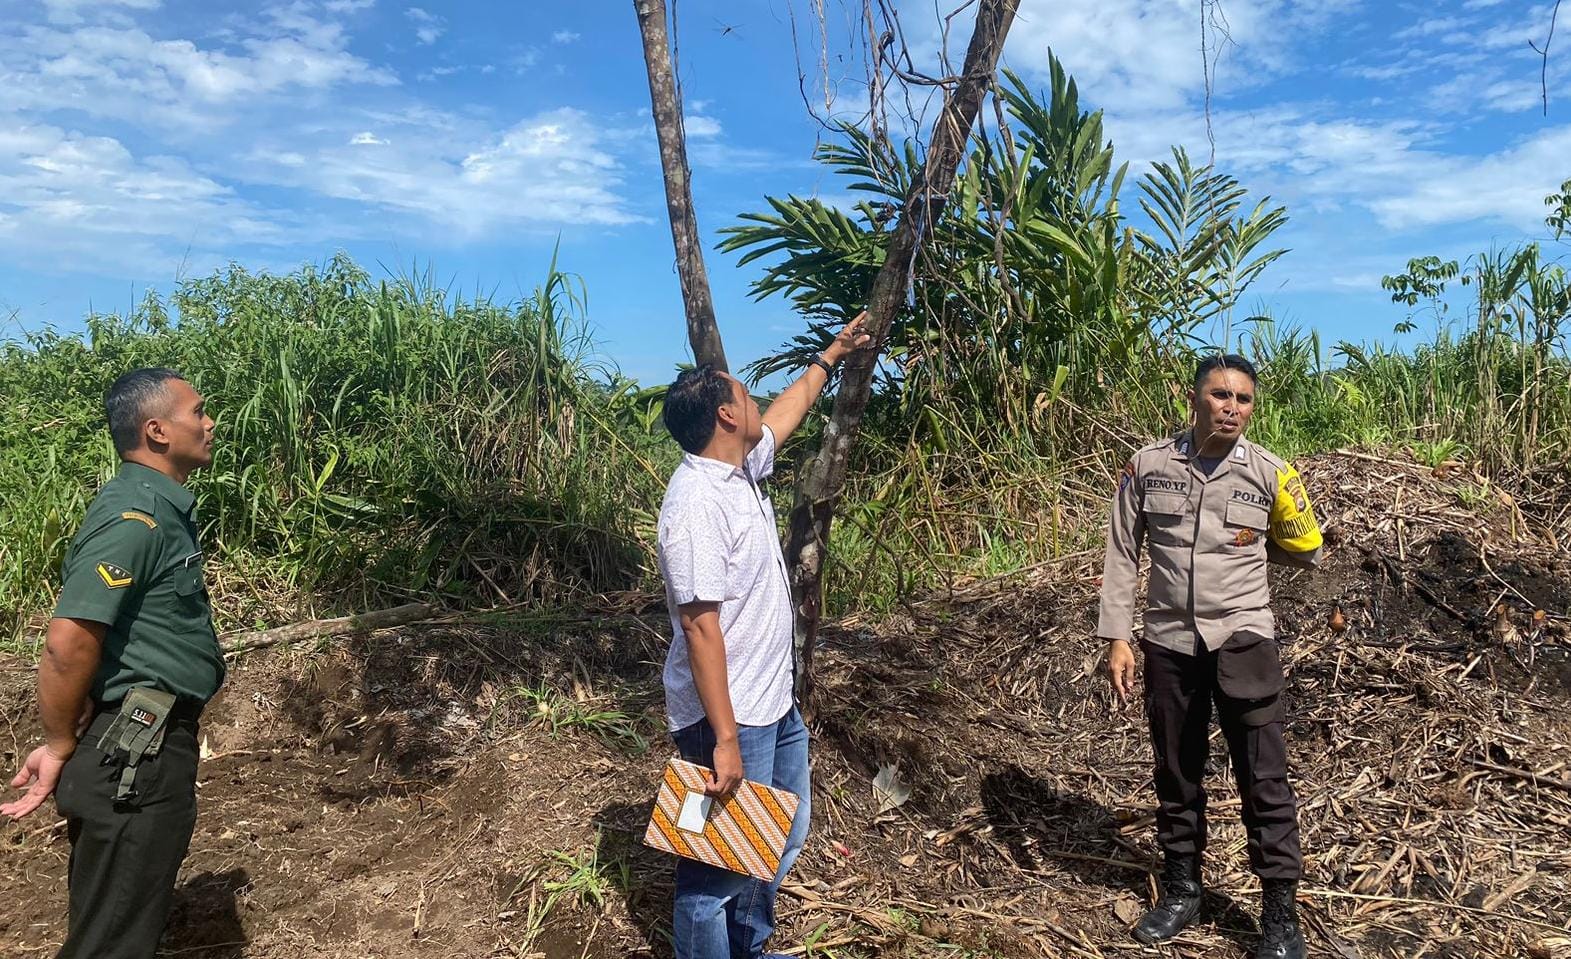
1431,903
1525,774
320,628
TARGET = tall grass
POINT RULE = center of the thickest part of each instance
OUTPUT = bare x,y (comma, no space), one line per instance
379,440
375,440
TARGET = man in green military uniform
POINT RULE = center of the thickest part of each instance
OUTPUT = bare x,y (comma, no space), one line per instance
129,662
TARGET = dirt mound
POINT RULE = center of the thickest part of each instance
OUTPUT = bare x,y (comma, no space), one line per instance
478,789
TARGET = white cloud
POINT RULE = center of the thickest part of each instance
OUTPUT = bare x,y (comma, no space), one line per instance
564,37
1445,27
1507,187
1531,24
552,169
428,26
1144,54
701,127
70,11
1324,165
68,194
122,72
1139,60
525,60
730,158
273,97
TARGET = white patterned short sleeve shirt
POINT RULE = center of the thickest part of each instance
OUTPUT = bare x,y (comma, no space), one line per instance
718,542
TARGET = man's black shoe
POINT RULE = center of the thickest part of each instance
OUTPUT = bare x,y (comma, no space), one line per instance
1280,937
1179,903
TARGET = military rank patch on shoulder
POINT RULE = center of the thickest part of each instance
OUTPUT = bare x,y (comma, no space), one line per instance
113,576
140,518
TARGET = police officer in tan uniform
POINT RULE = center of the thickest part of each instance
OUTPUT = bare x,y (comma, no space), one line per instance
1213,509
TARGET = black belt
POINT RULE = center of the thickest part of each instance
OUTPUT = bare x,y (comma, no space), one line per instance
186,711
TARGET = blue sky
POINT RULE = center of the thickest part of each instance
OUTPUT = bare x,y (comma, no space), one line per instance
142,140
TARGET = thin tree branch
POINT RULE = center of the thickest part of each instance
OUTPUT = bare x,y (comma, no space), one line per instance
1543,71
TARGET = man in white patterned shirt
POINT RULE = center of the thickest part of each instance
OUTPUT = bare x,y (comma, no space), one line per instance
728,677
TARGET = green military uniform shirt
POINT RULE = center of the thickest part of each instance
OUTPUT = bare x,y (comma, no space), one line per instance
135,566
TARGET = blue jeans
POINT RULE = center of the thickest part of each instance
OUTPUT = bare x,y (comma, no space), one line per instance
721,914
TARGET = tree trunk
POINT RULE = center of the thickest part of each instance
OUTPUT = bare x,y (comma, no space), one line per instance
702,333
821,483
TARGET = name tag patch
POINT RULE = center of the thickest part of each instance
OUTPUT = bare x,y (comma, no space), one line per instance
1162,484
1250,496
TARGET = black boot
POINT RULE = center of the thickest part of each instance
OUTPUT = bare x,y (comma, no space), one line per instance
1280,937
1179,903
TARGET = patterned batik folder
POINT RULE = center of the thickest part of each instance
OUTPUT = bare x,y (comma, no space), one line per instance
745,833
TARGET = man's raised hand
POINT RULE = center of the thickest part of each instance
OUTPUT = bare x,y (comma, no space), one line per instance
849,339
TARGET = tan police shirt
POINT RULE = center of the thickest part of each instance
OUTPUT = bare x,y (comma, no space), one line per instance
1210,539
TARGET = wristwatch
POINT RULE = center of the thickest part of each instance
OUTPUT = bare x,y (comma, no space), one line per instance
823,364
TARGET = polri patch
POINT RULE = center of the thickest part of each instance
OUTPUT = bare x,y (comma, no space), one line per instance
113,576
1295,489
1127,475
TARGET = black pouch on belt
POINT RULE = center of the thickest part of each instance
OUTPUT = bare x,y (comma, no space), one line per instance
1249,669
137,733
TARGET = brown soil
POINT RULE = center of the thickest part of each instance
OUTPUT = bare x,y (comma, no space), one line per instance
399,795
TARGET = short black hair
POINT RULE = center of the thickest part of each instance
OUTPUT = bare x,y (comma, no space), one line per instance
132,401
1224,361
690,405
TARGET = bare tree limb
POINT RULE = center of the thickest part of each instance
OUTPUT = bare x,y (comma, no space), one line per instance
824,476
703,334
320,628
1543,72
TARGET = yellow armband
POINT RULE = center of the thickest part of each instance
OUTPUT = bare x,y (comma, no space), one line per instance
1292,525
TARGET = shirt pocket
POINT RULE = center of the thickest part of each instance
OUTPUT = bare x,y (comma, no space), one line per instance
189,580
1166,517
1241,515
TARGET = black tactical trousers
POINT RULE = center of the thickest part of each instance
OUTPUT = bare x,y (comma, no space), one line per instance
1244,680
125,855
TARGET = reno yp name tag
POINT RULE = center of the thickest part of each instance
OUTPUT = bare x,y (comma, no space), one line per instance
695,812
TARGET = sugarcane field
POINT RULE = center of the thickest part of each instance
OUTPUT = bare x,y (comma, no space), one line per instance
840,479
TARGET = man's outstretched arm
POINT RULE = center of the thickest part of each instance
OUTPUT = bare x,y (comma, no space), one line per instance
788,409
